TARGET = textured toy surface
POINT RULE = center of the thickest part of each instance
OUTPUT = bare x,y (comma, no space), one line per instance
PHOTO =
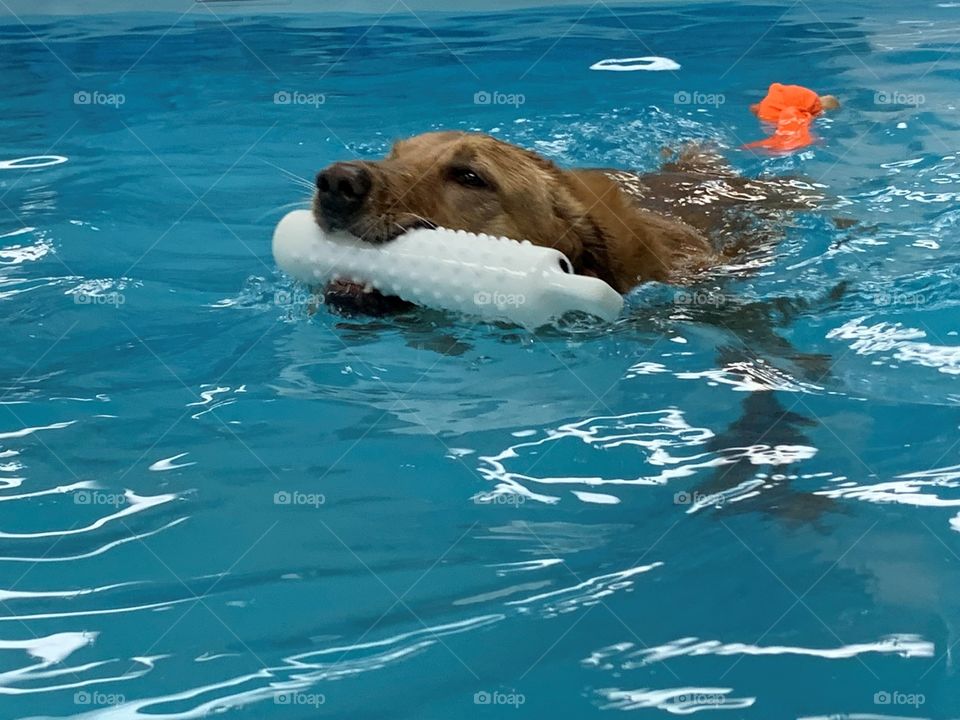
495,278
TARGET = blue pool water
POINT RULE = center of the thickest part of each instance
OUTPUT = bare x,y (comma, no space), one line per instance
215,502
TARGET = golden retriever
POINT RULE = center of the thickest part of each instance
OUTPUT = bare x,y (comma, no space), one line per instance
621,227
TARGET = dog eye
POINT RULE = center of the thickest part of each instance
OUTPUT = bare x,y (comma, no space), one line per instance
467,178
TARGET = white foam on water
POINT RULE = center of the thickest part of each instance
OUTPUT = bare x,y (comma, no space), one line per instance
170,463
626,655
898,343
32,162
919,489
650,63
31,430
596,498
52,648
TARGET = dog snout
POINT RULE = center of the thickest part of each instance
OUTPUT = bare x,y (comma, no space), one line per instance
342,189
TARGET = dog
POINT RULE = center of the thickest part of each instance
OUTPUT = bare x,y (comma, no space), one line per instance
624,228
675,225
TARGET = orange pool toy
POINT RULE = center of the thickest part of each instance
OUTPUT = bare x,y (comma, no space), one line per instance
792,108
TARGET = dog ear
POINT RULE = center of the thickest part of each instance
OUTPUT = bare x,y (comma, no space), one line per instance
604,223
627,244
583,240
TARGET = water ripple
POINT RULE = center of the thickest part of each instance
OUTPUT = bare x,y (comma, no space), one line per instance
134,504
627,657
918,489
297,673
660,435
893,341
676,701
586,593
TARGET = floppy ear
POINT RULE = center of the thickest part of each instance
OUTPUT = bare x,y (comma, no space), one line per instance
622,246
582,240
548,212
640,245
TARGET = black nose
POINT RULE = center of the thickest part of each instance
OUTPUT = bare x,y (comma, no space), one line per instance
342,188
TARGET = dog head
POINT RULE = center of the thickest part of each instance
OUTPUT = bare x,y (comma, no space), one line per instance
474,182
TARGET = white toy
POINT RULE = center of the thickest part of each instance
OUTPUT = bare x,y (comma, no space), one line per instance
495,278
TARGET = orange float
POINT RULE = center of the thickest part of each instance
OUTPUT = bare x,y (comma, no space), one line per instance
792,108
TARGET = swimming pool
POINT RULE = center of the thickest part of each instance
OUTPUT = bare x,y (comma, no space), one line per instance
213,501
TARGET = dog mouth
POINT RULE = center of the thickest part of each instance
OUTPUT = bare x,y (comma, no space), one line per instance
399,229
352,297
349,298
376,229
